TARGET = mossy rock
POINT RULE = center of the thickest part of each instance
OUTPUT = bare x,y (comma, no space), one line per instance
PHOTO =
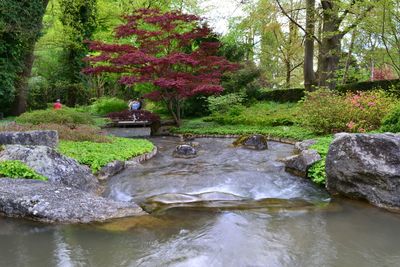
257,142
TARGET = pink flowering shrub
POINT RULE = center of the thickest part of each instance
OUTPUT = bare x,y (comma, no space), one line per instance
327,111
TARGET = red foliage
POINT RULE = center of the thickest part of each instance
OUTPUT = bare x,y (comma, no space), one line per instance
171,50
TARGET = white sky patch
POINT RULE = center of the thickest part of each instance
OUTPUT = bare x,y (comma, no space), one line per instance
218,13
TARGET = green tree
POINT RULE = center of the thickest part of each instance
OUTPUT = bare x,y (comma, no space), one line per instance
20,28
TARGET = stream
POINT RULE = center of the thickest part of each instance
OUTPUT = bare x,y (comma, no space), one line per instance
227,207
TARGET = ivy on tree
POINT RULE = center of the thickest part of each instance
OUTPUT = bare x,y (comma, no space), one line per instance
173,51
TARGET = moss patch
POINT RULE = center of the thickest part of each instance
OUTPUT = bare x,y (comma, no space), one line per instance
17,169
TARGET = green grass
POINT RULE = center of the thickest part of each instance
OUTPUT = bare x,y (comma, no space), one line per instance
17,169
97,155
198,126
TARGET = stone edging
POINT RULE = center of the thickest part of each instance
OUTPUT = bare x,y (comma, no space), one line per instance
270,138
143,157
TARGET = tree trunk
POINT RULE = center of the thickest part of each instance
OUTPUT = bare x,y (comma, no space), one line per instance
21,85
309,46
348,60
330,48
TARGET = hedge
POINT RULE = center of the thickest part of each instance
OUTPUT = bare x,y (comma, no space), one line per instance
386,85
282,95
296,94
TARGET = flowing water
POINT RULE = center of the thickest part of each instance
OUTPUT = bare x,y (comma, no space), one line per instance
227,207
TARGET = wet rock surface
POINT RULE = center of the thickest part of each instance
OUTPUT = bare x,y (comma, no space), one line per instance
30,138
48,162
365,166
299,164
257,142
110,169
184,151
47,202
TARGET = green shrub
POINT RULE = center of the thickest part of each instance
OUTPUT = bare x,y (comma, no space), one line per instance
281,95
391,122
61,116
327,111
222,104
97,155
105,105
65,132
17,169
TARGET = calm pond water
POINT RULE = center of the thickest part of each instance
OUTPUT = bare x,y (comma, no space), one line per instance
227,207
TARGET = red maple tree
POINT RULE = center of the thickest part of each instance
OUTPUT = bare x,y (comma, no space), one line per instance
173,51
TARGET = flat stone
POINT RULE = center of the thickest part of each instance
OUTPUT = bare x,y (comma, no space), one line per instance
30,138
365,166
129,132
48,202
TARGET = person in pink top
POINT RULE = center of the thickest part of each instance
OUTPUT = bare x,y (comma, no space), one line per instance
57,105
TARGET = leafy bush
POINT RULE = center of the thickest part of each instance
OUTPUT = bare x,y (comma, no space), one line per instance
326,111
136,115
281,95
106,105
222,104
97,155
65,132
61,116
391,122
17,169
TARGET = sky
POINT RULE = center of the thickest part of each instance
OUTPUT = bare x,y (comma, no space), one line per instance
218,11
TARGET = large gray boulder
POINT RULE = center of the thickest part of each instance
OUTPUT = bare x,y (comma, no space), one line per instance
299,164
48,162
31,138
365,166
47,202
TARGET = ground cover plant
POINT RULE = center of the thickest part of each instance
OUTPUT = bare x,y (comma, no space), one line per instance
317,171
17,169
97,155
